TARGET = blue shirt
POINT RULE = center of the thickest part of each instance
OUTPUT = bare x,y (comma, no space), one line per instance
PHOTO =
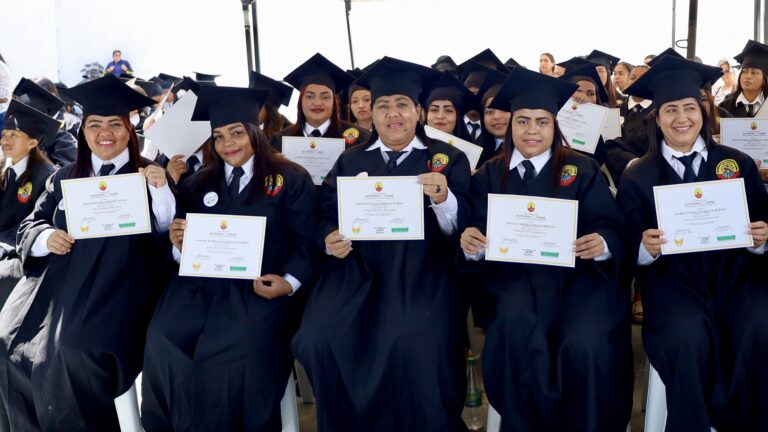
118,70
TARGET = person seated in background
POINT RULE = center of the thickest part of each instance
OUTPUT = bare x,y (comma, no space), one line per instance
118,66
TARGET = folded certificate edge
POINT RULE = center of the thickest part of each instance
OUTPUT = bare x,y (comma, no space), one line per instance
489,255
218,216
592,148
437,134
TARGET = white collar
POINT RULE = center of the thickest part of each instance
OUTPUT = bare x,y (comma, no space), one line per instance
499,141
670,154
199,155
247,168
20,166
743,99
467,120
414,144
645,103
118,161
322,128
537,161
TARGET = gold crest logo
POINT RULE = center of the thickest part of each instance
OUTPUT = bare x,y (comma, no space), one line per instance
24,193
503,250
727,169
379,186
439,162
195,266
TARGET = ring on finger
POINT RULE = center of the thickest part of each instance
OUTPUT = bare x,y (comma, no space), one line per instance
437,189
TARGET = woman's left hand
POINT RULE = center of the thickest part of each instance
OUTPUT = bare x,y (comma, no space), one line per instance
435,186
155,175
759,232
277,287
589,246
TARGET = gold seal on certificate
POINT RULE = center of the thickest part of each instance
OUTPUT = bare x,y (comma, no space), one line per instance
530,229
703,216
749,135
106,206
381,208
316,155
582,124
223,246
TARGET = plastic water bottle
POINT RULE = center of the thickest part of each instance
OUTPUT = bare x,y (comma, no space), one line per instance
472,415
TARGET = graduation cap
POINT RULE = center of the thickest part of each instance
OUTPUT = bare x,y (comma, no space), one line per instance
589,73
279,93
525,89
574,62
169,78
37,97
666,52
226,105
108,96
186,84
204,78
754,55
447,87
673,79
164,85
22,117
124,76
319,70
62,89
445,63
511,63
390,76
150,87
492,81
600,58
488,59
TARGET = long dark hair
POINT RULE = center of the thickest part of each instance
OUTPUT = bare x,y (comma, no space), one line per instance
267,163
610,88
273,121
36,157
560,151
551,59
83,166
301,120
486,139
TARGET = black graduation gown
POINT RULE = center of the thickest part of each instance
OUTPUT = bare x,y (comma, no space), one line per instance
163,161
16,202
558,352
383,333
218,355
352,134
705,329
632,144
72,332
62,150
737,110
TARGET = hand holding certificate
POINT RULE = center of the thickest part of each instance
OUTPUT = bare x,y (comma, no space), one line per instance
582,124
533,230
381,208
106,206
316,155
223,246
703,216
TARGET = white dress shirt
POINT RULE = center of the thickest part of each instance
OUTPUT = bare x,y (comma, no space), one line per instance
645,103
20,166
476,133
757,103
322,128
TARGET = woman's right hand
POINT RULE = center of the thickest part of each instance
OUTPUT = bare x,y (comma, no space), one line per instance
176,232
60,242
652,240
176,167
337,245
472,241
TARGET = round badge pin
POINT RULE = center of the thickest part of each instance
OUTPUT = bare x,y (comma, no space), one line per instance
61,205
210,199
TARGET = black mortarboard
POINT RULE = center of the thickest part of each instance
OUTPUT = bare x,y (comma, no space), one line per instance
226,105
447,87
666,52
150,87
754,55
164,85
390,76
473,74
590,73
319,70
526,89
445,63
186,84
169,78
125,76
511,63
34,123
492,81
62,89
37,97
600,58
673,79
574,62
108,96
204,78
488,59
279,93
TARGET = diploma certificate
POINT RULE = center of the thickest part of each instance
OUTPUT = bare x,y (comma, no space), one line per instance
106,206
381,208
473,151
316,155
582,124
529,229
223,246
703,216
748,135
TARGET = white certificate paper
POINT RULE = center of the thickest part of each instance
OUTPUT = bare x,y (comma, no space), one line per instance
582,124
175,133
316,155
381,208
473,151
223,246
106,206
703,216
612,125
746,134
533,230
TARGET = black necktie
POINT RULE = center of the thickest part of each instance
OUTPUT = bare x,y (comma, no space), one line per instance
530,171
191,163
316,133
393,157
106,169
10,178
637,108
474,127
234,185
688,175
750,110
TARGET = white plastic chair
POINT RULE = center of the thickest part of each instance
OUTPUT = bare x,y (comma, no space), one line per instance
656,403
127,406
